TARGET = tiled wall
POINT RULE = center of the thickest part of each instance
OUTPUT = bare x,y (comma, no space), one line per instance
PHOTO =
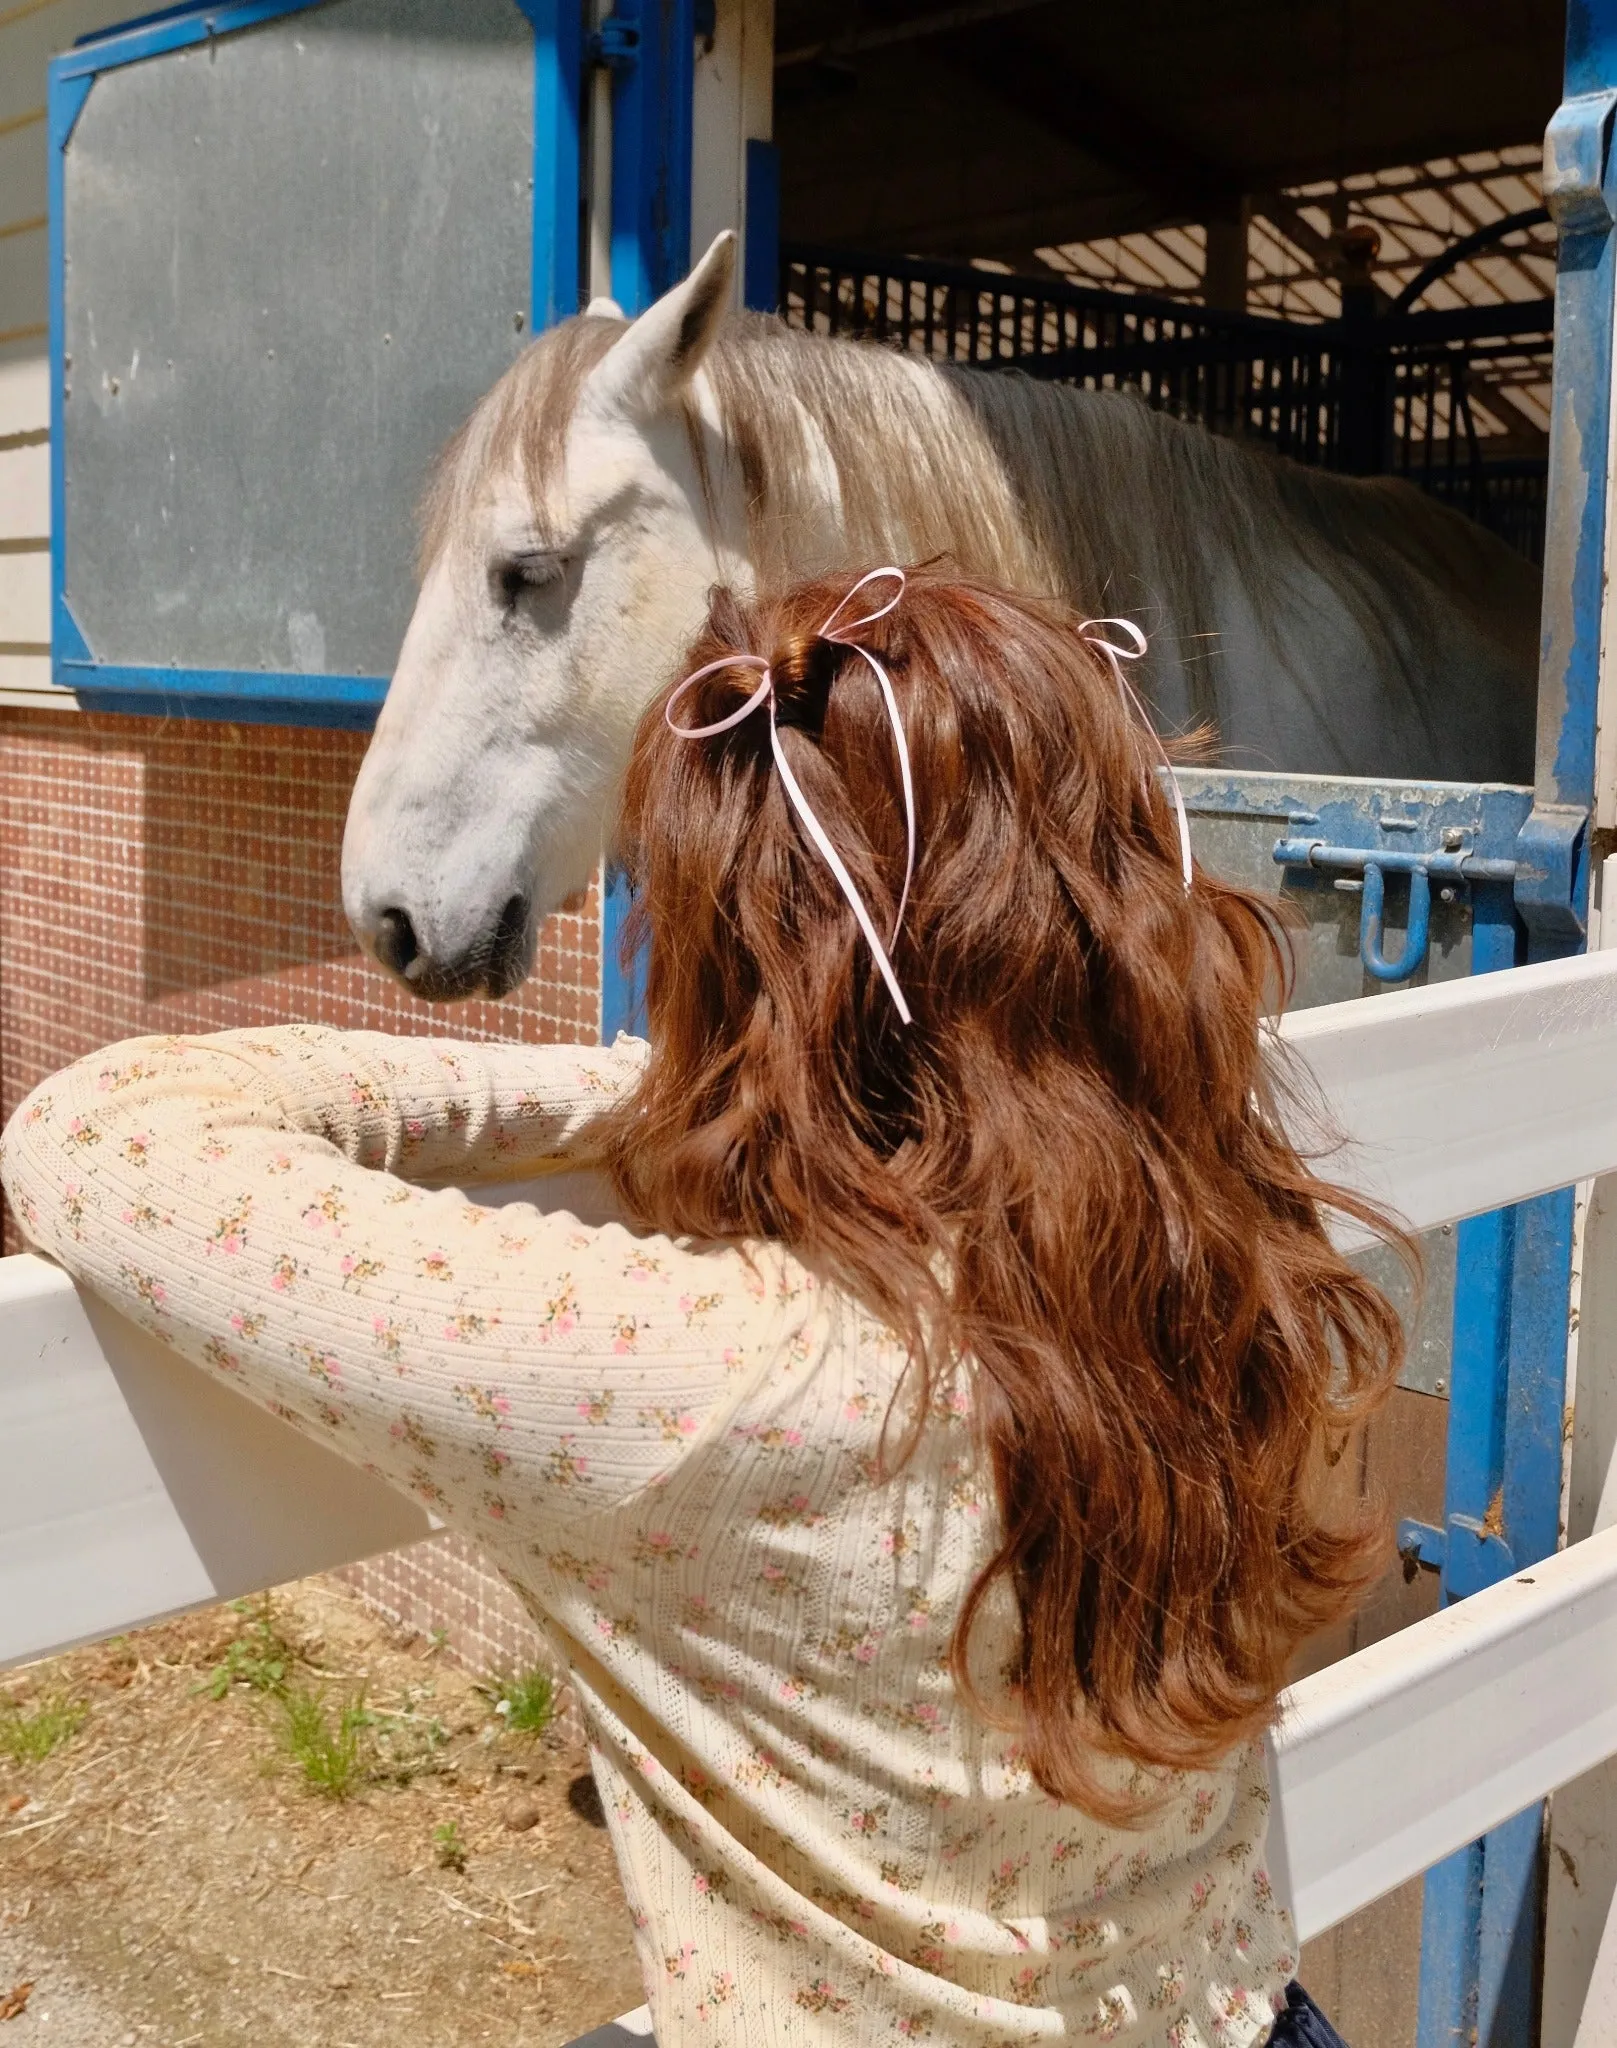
445,1587
180,876
184,876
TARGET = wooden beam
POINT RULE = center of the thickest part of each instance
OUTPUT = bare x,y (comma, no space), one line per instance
1535,1052
917,28
137,1485
1289,219
1041,84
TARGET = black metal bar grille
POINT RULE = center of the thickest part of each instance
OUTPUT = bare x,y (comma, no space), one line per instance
1393,394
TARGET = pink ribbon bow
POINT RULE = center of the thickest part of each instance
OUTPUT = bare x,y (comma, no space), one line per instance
1116,656
842,634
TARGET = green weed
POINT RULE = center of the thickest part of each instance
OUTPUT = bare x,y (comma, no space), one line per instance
28,1737
260,1658
525,1701
337,1747
407,1744
334,1750
448,1847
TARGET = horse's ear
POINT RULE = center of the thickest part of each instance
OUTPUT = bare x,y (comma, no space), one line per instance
663,349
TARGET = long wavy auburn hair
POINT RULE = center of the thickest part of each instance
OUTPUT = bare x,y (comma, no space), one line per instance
1166,1351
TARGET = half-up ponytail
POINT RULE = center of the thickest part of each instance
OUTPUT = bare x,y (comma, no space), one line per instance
1164,1347
803,666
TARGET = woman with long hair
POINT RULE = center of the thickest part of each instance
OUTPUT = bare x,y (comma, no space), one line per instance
924,1479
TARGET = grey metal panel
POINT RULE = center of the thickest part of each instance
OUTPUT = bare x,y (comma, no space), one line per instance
1235,822
1429,1337
295,258
1237,818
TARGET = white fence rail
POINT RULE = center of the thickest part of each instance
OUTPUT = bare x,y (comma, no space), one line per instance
136,1487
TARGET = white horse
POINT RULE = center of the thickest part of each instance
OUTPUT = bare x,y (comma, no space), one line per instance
617,471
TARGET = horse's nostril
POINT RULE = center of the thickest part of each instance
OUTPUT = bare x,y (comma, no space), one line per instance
396,945
505,963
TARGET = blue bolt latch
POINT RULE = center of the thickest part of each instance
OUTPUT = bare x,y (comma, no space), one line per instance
1374,864
1372,924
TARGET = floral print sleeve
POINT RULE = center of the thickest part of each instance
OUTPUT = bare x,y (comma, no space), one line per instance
681,1459
254,1198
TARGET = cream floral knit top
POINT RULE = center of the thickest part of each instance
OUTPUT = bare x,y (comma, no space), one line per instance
673,1454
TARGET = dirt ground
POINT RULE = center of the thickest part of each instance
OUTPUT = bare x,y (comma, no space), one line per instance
169,1877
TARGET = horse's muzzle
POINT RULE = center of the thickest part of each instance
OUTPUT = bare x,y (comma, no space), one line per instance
493,966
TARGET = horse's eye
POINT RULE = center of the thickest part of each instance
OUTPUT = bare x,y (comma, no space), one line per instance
518,575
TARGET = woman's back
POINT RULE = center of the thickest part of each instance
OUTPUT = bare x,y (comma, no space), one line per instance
766,1650
686,1459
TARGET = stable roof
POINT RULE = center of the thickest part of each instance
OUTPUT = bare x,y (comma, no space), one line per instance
994,128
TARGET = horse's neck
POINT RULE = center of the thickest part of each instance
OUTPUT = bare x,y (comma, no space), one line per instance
1262,587
870,456
1035,485
1085,495
865,456
1117,496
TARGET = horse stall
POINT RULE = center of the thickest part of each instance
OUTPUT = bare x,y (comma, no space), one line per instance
257,262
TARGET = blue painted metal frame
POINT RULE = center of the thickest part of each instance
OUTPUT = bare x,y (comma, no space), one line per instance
1483,1907
1507,1371
258,697
652,104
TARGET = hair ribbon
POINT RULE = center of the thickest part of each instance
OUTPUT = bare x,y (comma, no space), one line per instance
841,632
1116,656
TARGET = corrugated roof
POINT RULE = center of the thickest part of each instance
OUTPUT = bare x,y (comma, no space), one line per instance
1418,211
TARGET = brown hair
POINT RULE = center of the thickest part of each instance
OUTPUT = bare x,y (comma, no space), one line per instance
1167,1349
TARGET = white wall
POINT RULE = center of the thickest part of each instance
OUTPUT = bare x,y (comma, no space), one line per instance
31,32
733,102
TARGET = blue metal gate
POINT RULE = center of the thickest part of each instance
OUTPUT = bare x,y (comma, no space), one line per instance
1484,1906
1522,860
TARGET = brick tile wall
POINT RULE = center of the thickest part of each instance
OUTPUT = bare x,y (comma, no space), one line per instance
184,876
179,876
444,1585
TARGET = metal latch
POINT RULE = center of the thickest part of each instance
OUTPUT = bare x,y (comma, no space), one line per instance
1374,864
1468,1553
616,43
1550,857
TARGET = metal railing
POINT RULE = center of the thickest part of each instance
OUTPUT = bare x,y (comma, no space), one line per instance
1394,394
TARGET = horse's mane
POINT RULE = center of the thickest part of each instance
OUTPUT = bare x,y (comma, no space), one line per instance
1090,496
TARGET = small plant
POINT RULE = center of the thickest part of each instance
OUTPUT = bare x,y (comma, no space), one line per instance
525,1701
334,1754
407,1744
448,1847
29,1737
260,1658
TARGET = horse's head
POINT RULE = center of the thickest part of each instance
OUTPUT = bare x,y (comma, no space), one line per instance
571,541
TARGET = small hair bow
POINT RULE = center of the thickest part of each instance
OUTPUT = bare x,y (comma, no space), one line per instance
841,632
1116,656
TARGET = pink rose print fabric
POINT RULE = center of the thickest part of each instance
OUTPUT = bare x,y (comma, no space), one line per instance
673,1452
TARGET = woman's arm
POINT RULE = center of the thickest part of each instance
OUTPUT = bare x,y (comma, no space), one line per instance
500,1363
435,1109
